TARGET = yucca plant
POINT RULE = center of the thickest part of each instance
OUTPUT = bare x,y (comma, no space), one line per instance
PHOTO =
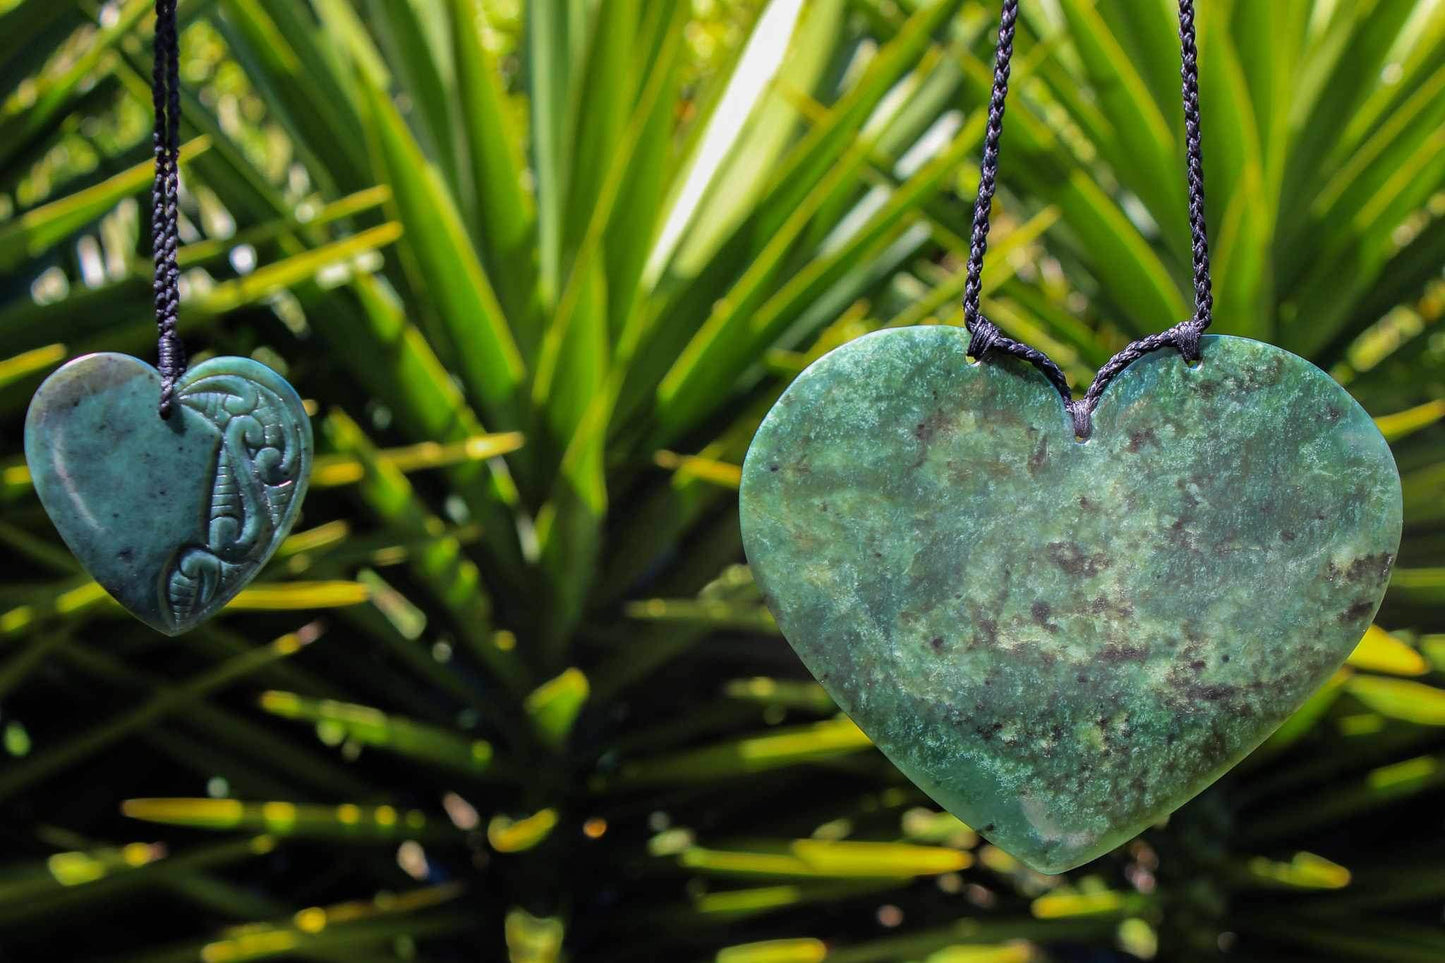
508,692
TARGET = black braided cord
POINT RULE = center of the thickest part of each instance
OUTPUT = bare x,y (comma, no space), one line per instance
984,335
165,201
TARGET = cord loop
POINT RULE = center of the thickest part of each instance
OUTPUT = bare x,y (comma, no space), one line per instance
985,336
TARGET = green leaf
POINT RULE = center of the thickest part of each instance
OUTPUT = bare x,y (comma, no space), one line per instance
832,859
1329,89
1242,226
38,230
706,613
338,932
1402,424
372,727
395,363
732,337
425,73
1305,871
57,757
294,61
329,471
574,358
1379,651
1393,173
581,325
549,76
827,159
23,120
345,941
299,596
775,951
452,578
491,366
1269,39
220,727
508,835
780,692
346,821
777,749
1398,942
1418,585
553,706
1154,168
30,28
604,94
502,218
1346,798
267,280
649,135
77,882
1400,699
730,190
1103,902
29,363
1149,33
1131,274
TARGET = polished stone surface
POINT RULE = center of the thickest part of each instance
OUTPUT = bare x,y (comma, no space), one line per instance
1064,641
172,517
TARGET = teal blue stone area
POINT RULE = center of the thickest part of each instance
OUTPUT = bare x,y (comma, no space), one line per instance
1063,641
171,516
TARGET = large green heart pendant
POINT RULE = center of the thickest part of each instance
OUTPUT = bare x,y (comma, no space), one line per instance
1063,641
172,517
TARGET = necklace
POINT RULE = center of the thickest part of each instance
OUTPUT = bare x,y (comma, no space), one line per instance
1063,618
171,486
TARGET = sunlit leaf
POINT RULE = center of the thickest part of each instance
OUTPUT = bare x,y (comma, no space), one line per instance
554,705
775,951
36,231
1303,871
1400,699
285,818
784,747
372,727
470,314
1379,651
508,835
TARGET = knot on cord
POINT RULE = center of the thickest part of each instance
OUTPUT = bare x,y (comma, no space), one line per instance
1186,335
982,335
171,364
1081,410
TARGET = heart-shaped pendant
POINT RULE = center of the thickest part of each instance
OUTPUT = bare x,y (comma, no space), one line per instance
1061,641
171,516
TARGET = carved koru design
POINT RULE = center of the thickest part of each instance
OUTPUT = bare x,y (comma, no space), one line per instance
261,460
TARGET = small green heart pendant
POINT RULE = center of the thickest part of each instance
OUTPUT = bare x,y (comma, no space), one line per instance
1062,641
171,516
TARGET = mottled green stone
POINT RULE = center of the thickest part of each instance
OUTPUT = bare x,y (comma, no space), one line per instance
172,517
1063,641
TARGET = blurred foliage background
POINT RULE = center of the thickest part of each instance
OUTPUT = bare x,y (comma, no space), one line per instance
540,268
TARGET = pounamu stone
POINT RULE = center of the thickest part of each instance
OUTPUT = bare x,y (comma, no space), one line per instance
1061,641
172,517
